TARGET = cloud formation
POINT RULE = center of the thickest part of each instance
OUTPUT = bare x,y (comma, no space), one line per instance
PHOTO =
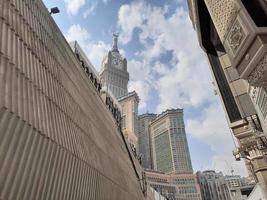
73,6
183,79
90,10
161,34
94,50
211,128
106,1
171,63
75,32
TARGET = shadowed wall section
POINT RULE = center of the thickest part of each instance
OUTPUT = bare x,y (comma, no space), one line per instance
57,138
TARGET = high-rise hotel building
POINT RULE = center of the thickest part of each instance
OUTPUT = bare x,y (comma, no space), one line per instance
113,74
163,146
169,143
114,78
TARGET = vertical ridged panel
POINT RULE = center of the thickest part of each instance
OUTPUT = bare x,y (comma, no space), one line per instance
16,155
57,139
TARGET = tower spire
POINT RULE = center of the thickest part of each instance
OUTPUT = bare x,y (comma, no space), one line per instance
115,41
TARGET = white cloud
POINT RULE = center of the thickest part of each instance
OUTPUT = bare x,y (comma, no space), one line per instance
182,86
141,80
130,17
179,80
211,128
180,1
90,10
225,163
142,89
184,80
106,1
94,50
73,6
76,32
161,69
160,34
138,70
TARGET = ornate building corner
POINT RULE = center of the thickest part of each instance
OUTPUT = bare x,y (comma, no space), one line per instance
223,13
235,38
258,77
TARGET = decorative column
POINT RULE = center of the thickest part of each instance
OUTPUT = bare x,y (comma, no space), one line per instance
258,77
254,149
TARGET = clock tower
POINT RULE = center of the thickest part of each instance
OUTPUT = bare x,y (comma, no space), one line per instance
113,74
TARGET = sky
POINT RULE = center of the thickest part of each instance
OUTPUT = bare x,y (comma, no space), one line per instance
166,65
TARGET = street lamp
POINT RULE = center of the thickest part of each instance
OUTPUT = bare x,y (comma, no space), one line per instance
54,10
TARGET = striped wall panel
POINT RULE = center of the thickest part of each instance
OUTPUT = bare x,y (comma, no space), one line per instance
34,167
57,138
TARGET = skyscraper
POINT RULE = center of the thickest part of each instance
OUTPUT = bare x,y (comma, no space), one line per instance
144,139
113,74
114,78
169,143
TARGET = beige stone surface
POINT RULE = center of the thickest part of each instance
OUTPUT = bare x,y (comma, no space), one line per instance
239,87
225,61
129,105
57,138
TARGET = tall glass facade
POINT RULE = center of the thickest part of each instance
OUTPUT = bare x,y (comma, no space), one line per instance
169,143
181,155
163,152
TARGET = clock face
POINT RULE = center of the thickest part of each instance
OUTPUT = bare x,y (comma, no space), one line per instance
117,62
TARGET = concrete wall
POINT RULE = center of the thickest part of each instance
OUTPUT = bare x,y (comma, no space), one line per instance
57,138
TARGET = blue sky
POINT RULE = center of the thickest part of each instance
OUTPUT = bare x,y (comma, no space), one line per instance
166,65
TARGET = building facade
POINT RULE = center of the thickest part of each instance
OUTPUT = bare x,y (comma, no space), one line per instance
257,193
169,143
242,192
259,99
113,74
58,138
174,186
129,109
233,35
234,181
216,186
213,186
240,188
144,139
